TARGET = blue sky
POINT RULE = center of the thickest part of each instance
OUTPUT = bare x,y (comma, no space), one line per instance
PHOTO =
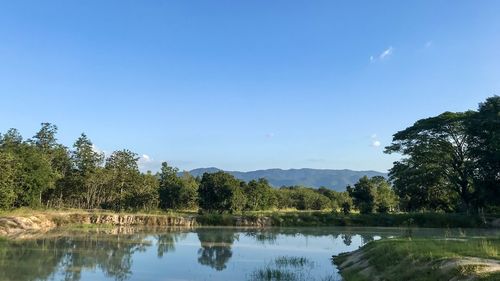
244,85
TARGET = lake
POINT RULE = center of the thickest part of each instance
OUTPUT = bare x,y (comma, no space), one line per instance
191,254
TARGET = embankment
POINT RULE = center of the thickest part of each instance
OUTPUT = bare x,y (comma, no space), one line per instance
32,220
423,260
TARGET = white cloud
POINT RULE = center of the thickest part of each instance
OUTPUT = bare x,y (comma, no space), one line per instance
428,44
147,163
384,55
376,143
98,150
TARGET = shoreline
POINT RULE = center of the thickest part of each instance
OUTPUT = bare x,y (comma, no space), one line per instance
15,223
422,259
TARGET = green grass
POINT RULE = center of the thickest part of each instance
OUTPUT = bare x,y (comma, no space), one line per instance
287,268
422,259
285,218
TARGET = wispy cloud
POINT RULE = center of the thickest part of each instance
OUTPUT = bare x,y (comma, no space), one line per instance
382,56
269,135
147,163
375,142
98,150
386,53
428,44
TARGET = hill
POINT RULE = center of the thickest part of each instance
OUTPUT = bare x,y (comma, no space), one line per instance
333,179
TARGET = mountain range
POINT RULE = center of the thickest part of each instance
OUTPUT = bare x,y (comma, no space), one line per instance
332,179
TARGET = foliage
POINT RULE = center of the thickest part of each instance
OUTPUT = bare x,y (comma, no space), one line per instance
177,192
451,161
484,128
221,192
259,194
7,180
375,194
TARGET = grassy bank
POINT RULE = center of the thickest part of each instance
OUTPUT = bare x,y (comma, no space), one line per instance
287,218
423,260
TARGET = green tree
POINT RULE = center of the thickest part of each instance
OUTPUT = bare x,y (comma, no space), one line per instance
34,175
437,149
364,195
7,180
145,194
188,192
124,175
221,192
259,195
386,199
88,179
484,128
169,186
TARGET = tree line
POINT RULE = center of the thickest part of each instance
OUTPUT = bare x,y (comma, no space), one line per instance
450,163
40,172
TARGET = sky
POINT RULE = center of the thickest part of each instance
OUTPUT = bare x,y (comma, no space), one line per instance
244,85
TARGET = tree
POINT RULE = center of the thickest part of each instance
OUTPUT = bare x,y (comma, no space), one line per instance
7,180
34,177
363,195
386,200
188,192
221,192
438,150
177,192
373,194
259,195
484,128
145,194
124,175
89,181
45,138
169,186
422,187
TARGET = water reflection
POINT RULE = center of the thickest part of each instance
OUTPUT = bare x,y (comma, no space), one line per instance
215,248
110,255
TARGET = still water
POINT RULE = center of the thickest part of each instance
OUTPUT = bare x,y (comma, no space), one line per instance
224,254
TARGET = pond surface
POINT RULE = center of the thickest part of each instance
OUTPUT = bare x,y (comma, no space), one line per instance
224,254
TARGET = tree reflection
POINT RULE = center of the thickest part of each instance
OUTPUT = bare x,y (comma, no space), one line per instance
347,239
166,242
42,259
269,237
215,248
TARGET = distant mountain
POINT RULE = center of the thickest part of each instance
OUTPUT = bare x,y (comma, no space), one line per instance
332,179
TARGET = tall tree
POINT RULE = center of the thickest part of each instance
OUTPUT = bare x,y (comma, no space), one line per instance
484,128
169,186
124,174
7,180
45,138
437,149
259,195
221,192
88,179
364,195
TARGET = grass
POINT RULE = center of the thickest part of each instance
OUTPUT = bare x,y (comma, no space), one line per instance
286,218
287,268
423,259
